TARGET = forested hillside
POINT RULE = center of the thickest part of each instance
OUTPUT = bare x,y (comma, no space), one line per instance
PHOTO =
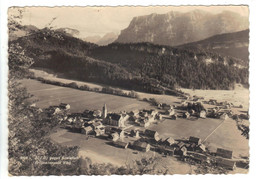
140,66
190,68
230,44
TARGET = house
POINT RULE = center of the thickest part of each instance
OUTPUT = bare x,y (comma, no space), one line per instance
134,133
169,141
121,144
143,122
88,114
97,113
244,116
203,114
192,111
158,117
225,163
170,112
99,132
143,113
141,146
186,115
96,125
212,101
224,153
115,119
64,106
180,145
184,104
152,134
167,106
201,148
235,117
86,130
110,130
115,136
199,157
223,116
181,151
52,110
191,147
165,150
195,140
174,117
149,118
134,113
151,112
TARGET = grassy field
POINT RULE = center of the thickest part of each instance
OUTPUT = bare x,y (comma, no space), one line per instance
47,74
79,100
239,95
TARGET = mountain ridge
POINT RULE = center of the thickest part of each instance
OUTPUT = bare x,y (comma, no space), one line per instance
175,28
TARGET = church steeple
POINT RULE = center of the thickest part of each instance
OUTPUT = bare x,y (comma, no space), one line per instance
104,111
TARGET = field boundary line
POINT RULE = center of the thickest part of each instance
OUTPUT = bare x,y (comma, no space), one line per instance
213,131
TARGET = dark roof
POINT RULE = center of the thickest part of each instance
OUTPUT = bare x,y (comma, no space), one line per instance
140,144
225,162
134,112
150,133
194,139
114,116
224,153
199,156
119,143
113,129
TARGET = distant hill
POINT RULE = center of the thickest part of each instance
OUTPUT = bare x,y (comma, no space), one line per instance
92,39
69,31
45,40
105,40
229,44
175,28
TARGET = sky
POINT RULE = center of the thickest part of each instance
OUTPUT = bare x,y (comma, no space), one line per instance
91,21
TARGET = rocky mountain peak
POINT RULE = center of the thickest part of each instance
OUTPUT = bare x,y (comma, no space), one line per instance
175,28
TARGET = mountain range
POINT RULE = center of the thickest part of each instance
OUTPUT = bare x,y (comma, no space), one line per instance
105,40
176,28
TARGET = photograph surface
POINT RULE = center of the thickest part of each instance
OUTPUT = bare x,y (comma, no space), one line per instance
128,90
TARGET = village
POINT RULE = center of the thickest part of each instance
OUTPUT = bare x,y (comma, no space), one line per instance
130,129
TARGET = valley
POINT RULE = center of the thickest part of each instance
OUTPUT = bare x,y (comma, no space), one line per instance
153,91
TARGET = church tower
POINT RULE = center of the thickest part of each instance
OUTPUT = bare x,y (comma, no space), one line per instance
104,111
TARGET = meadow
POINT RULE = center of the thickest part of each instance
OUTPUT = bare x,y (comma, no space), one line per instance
47,95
